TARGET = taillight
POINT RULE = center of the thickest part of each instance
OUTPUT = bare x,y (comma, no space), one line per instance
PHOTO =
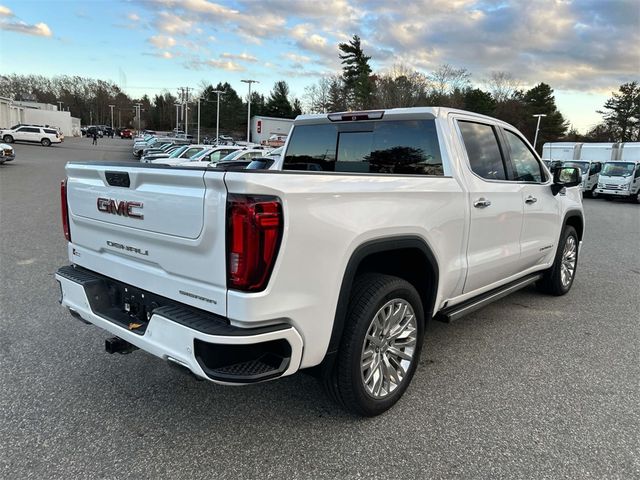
254,231
65,210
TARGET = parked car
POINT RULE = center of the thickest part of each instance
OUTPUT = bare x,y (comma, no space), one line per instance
373,224
212,154
91,129
32,134
180,153
7,153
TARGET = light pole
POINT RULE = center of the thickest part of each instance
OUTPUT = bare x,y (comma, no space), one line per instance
138,105
249,106
111,107
186,119
198,142
177,117
218,93
535,139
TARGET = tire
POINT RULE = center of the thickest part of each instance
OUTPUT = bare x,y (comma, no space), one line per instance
45,142
559,278
7,139
636,198
354,387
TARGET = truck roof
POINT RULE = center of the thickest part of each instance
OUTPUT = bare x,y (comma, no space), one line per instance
398,113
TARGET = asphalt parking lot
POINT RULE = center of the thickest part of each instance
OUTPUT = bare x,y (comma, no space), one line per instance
529,387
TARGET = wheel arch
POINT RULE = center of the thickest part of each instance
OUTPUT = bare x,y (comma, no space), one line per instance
575,219
391,255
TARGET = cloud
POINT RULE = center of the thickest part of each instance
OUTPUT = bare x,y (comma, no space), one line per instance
134,17
171,23
243,57
294,57
589,45
39,29
5,11
162,42
218,64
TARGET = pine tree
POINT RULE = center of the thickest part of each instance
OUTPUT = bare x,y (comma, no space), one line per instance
297,108
356,74
337,99
278,104
479,101
540,100
622,112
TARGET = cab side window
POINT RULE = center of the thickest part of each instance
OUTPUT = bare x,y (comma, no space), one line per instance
526,167
481,143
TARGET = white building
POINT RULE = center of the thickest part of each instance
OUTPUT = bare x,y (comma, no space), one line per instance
263,127
13,112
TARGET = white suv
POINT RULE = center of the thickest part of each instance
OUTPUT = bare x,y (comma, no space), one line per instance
32,133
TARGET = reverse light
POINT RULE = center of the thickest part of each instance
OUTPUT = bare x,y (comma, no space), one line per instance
64,208
254,232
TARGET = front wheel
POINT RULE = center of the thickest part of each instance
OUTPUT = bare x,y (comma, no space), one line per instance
45,142
559,278
380,347
7,139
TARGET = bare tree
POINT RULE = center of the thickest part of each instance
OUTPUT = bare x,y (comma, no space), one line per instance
447,79
400,86
316,96
502,85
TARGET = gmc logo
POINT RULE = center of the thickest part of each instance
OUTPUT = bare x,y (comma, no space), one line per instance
123,208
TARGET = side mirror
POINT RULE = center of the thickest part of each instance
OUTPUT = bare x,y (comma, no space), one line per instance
565,177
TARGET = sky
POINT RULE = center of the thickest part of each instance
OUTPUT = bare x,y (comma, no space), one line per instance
584,48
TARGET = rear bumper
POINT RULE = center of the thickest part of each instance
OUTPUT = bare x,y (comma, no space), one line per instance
206,345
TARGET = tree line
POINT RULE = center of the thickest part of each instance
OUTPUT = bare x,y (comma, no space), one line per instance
356,88
89,100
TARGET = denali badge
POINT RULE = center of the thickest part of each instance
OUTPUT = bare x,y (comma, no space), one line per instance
122,207
128,248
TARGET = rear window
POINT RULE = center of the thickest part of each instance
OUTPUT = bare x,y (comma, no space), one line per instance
392,147
53,132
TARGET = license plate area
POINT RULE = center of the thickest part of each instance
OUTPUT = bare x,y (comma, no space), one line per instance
125,305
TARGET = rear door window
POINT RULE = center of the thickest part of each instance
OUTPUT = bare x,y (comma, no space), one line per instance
483,150
391,147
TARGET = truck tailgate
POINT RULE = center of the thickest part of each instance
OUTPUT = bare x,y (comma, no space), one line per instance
146,226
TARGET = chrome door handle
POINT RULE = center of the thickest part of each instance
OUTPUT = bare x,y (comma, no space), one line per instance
481,203
530,199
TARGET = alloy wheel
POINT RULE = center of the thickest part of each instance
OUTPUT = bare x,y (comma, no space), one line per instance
389,348
569,258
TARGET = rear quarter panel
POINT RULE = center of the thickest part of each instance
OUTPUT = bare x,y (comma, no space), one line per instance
326,217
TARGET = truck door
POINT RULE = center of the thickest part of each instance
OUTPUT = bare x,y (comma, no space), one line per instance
541,221
493,251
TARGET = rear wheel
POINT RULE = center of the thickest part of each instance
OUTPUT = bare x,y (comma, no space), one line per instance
7,139
559,278
45,142
380,347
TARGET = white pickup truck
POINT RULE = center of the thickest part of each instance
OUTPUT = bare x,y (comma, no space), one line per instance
372,224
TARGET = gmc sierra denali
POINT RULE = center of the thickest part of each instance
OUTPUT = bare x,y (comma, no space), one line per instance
369,225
